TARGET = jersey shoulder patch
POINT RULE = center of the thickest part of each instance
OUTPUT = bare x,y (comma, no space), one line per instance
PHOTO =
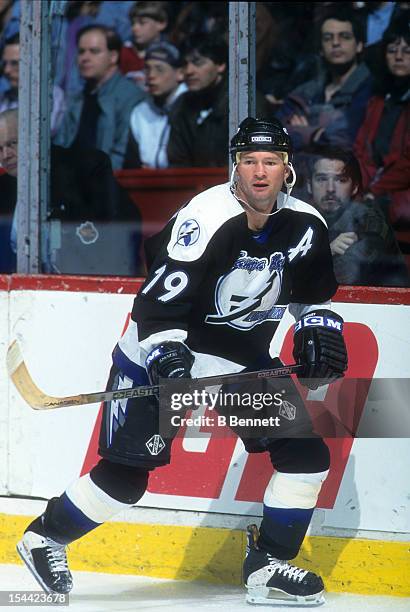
199,220
300,206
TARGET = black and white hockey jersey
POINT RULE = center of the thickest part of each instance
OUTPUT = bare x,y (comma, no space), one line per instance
222,288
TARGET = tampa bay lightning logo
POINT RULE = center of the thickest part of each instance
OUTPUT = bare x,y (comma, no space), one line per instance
188,233
247,295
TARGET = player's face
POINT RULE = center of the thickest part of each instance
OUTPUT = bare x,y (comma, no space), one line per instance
339,45
398,58
95,61
146,30
10,61
8,146
260,177
162,79
201,72
331,188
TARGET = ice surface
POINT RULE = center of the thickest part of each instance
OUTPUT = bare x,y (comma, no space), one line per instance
95,592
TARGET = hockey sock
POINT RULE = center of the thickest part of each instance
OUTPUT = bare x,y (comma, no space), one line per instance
299,455
289,502
85,505
124,483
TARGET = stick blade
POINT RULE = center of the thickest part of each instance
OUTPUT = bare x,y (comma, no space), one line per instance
22,380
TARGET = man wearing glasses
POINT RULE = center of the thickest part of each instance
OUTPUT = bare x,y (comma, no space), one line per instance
329,109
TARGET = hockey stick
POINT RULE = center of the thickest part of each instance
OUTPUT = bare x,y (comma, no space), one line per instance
39,400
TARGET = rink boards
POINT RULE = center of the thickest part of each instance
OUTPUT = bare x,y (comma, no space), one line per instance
67,328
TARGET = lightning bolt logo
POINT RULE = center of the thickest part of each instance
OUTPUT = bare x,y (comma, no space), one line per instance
118,408
188,233
242,305
251,288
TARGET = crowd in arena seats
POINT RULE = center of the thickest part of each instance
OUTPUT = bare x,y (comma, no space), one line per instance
147,84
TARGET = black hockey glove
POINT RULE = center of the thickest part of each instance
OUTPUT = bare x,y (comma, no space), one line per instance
320,346
169,360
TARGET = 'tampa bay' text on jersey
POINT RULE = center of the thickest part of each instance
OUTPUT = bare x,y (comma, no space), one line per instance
222,288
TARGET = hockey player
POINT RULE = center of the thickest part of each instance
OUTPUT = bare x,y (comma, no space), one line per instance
221,274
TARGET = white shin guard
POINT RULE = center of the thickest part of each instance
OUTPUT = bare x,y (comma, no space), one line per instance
294,490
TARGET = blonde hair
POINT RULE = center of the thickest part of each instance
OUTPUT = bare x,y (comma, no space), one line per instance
284,156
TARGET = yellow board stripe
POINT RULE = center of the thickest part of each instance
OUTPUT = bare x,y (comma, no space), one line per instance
215,555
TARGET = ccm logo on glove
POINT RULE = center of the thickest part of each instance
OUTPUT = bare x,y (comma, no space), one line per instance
314,320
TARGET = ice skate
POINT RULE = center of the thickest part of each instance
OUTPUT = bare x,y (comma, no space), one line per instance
46,559
273,581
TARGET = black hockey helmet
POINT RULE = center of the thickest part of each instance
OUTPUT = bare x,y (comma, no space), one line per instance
261,135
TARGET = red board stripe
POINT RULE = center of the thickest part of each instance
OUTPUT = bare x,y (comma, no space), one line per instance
373,295
117,284
91,284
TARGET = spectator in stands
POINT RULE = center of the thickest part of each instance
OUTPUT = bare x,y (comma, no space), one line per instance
199,123
363,245
148,22
330,108
383,142
149,124
9,98
377,17
8,160
82,186
98,117
199,126
8,188
78,14
10,58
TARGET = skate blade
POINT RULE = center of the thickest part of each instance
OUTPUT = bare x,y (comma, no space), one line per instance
274,597
26,557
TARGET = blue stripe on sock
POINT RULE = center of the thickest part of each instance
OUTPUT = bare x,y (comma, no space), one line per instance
135,372
77,517
288,516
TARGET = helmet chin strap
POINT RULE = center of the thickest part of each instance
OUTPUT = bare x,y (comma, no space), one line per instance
289,186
